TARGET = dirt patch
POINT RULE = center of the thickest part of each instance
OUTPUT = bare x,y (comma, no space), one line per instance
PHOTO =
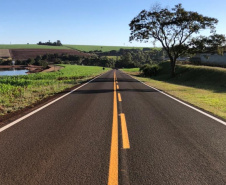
24,54
34,69
53,68
4,53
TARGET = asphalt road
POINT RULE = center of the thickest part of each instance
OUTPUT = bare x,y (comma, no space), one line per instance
114,130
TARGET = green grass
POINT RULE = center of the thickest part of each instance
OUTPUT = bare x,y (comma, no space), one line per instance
17,92
202,86
102,48
131,69
113,57
30,46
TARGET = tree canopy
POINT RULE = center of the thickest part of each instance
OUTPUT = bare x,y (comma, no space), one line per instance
174,29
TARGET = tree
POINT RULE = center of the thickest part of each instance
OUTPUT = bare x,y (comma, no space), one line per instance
127,60
58,43
213,43
174,29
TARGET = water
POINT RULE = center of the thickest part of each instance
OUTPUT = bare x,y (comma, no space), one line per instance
12,71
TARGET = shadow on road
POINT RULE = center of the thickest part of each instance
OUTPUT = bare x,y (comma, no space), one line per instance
93,91
136,90
112,80
110,91
103,80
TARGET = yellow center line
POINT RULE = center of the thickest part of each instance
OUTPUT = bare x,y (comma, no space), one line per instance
125,137
117,87
113,167
119,97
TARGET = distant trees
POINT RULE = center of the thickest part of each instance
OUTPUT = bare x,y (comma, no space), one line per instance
57,43
136,58
124,58
98,61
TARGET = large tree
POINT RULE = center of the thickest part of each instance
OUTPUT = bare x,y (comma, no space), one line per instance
175,29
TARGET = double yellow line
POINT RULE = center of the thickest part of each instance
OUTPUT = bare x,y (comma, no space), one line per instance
113,167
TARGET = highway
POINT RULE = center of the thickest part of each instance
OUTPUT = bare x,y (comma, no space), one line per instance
114,130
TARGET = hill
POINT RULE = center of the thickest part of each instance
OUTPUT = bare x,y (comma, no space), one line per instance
29,46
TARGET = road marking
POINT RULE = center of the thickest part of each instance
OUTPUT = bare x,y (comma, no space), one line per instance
202,112
113,167
119,97
37,110
125,136
117,87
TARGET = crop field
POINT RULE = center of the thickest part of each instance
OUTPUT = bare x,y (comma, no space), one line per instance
85,48
23,54
4,53
29,46
17,92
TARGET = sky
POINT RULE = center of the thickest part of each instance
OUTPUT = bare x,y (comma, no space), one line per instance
87,22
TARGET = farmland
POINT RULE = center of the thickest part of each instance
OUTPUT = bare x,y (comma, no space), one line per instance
4,53
17,92
29,46
23,54
88,48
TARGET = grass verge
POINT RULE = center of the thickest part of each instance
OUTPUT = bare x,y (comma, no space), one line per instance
18,92
201,86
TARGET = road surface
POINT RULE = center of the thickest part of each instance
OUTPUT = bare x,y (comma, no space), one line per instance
114,130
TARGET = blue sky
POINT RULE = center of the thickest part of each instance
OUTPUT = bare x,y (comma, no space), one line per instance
86,22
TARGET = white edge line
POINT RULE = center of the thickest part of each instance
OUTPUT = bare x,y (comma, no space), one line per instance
37,110
202,112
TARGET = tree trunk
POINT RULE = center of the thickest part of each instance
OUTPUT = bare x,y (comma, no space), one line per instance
173,68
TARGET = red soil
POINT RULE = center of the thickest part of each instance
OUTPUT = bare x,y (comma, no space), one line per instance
24,54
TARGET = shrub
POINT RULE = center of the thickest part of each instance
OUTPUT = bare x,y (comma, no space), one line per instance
195,60
150,70
43,63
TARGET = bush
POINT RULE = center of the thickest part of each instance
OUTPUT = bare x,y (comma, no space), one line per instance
195,60
150,70
43,63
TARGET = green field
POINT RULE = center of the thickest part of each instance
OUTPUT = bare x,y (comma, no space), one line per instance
85,48
102,48
201,86
30,46
17,92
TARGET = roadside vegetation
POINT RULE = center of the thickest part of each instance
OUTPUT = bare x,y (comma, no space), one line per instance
17,92
202,86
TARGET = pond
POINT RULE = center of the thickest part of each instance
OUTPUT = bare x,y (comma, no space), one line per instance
12,71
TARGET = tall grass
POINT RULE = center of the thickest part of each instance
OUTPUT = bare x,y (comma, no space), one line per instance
17,92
